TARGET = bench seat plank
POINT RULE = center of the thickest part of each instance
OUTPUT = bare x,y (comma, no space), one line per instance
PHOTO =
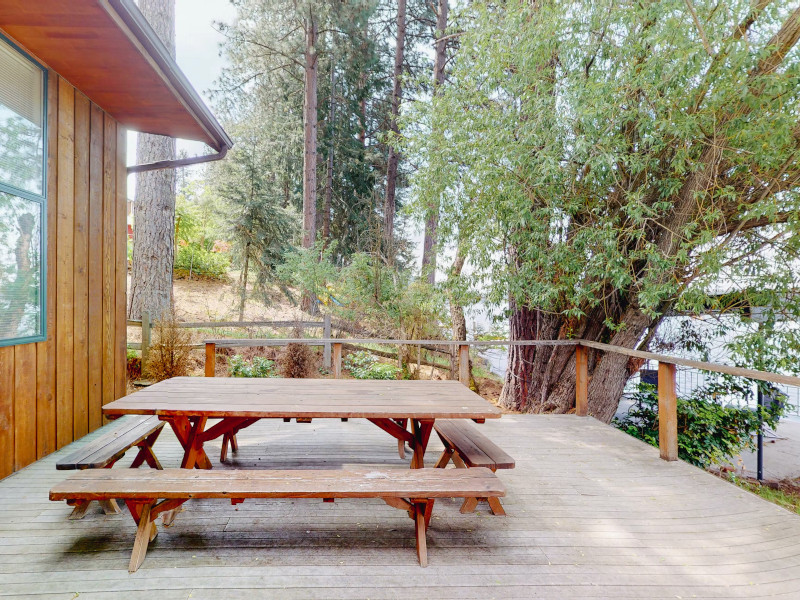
475,449
361,483
109,448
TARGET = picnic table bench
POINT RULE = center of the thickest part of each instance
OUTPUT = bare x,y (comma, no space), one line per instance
151,493
468,447
107,449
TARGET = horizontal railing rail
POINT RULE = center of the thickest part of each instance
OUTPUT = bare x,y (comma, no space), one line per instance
667,382
237,324
146,324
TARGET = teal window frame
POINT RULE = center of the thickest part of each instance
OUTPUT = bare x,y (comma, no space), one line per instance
40,199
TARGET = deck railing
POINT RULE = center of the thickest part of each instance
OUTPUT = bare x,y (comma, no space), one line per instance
667,382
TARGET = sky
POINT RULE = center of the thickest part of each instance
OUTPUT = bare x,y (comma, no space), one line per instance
197,48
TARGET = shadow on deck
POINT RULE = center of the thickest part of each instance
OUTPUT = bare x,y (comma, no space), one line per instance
592,513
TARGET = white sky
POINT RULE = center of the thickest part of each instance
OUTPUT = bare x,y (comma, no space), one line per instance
197,48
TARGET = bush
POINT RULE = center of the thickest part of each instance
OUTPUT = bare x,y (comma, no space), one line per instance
295,361
708,432
134,365
363,365
194,260
258,367
169,355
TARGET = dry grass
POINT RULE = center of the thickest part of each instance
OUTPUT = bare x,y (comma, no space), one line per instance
170,352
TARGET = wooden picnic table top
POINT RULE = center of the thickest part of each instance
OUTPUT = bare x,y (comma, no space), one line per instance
219,397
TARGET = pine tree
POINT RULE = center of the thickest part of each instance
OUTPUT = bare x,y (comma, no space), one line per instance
154,203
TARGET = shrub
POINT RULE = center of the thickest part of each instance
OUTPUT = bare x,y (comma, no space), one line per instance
708,432
134,365
295,361
194,260
363,365
169,355
258,367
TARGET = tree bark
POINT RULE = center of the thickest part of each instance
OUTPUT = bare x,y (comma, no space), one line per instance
432,222
154,204
541,379
459,322
393,162
326,217
310,147
245,269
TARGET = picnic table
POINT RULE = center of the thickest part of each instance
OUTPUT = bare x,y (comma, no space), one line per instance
187,403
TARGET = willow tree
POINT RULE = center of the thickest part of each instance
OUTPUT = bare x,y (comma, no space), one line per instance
609,162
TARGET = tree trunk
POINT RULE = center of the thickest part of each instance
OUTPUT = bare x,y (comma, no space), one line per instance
310,148
459,322
154,205
243,297
326,217
394,158
541,379
432,222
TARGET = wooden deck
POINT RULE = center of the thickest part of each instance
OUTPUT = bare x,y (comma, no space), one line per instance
592,513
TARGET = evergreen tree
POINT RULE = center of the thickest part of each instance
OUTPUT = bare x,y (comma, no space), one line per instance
260,228
154,205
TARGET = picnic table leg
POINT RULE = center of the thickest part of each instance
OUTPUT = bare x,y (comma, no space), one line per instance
194,446
495,506
146,452
81,506
422,433
394,428
422,519
401,444
145,532
188,435
444,458
109,506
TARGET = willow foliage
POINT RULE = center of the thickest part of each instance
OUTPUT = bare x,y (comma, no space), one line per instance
614,158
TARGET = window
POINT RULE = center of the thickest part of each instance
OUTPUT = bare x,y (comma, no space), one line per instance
23,118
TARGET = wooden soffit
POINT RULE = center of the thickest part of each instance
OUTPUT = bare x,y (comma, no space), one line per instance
107,50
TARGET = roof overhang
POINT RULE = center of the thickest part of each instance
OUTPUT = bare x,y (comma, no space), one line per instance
108,51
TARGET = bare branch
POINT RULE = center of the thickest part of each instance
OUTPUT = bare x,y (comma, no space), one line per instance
700,29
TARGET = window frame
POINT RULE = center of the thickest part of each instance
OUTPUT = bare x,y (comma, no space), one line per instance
40,199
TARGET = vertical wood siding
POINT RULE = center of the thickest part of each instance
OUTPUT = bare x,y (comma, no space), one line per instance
52,392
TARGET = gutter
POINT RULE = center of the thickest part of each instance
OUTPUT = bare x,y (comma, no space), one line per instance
127,15
178,162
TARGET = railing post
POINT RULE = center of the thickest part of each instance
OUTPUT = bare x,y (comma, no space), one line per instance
326,333
463,364
581,380
337,360
211,359
146,339
667,412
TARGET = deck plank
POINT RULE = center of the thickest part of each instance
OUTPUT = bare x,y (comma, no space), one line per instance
592,513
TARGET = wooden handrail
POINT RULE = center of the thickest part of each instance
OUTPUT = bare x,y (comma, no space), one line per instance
238,324
231,343
695,364
667,386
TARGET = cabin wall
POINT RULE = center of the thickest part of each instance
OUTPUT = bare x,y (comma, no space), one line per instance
52,392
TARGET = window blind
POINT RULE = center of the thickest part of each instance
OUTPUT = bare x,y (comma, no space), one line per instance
21,85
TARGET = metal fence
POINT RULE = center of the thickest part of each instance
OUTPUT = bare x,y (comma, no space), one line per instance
689,379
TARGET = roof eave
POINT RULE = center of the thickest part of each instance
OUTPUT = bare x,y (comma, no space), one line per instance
133,23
